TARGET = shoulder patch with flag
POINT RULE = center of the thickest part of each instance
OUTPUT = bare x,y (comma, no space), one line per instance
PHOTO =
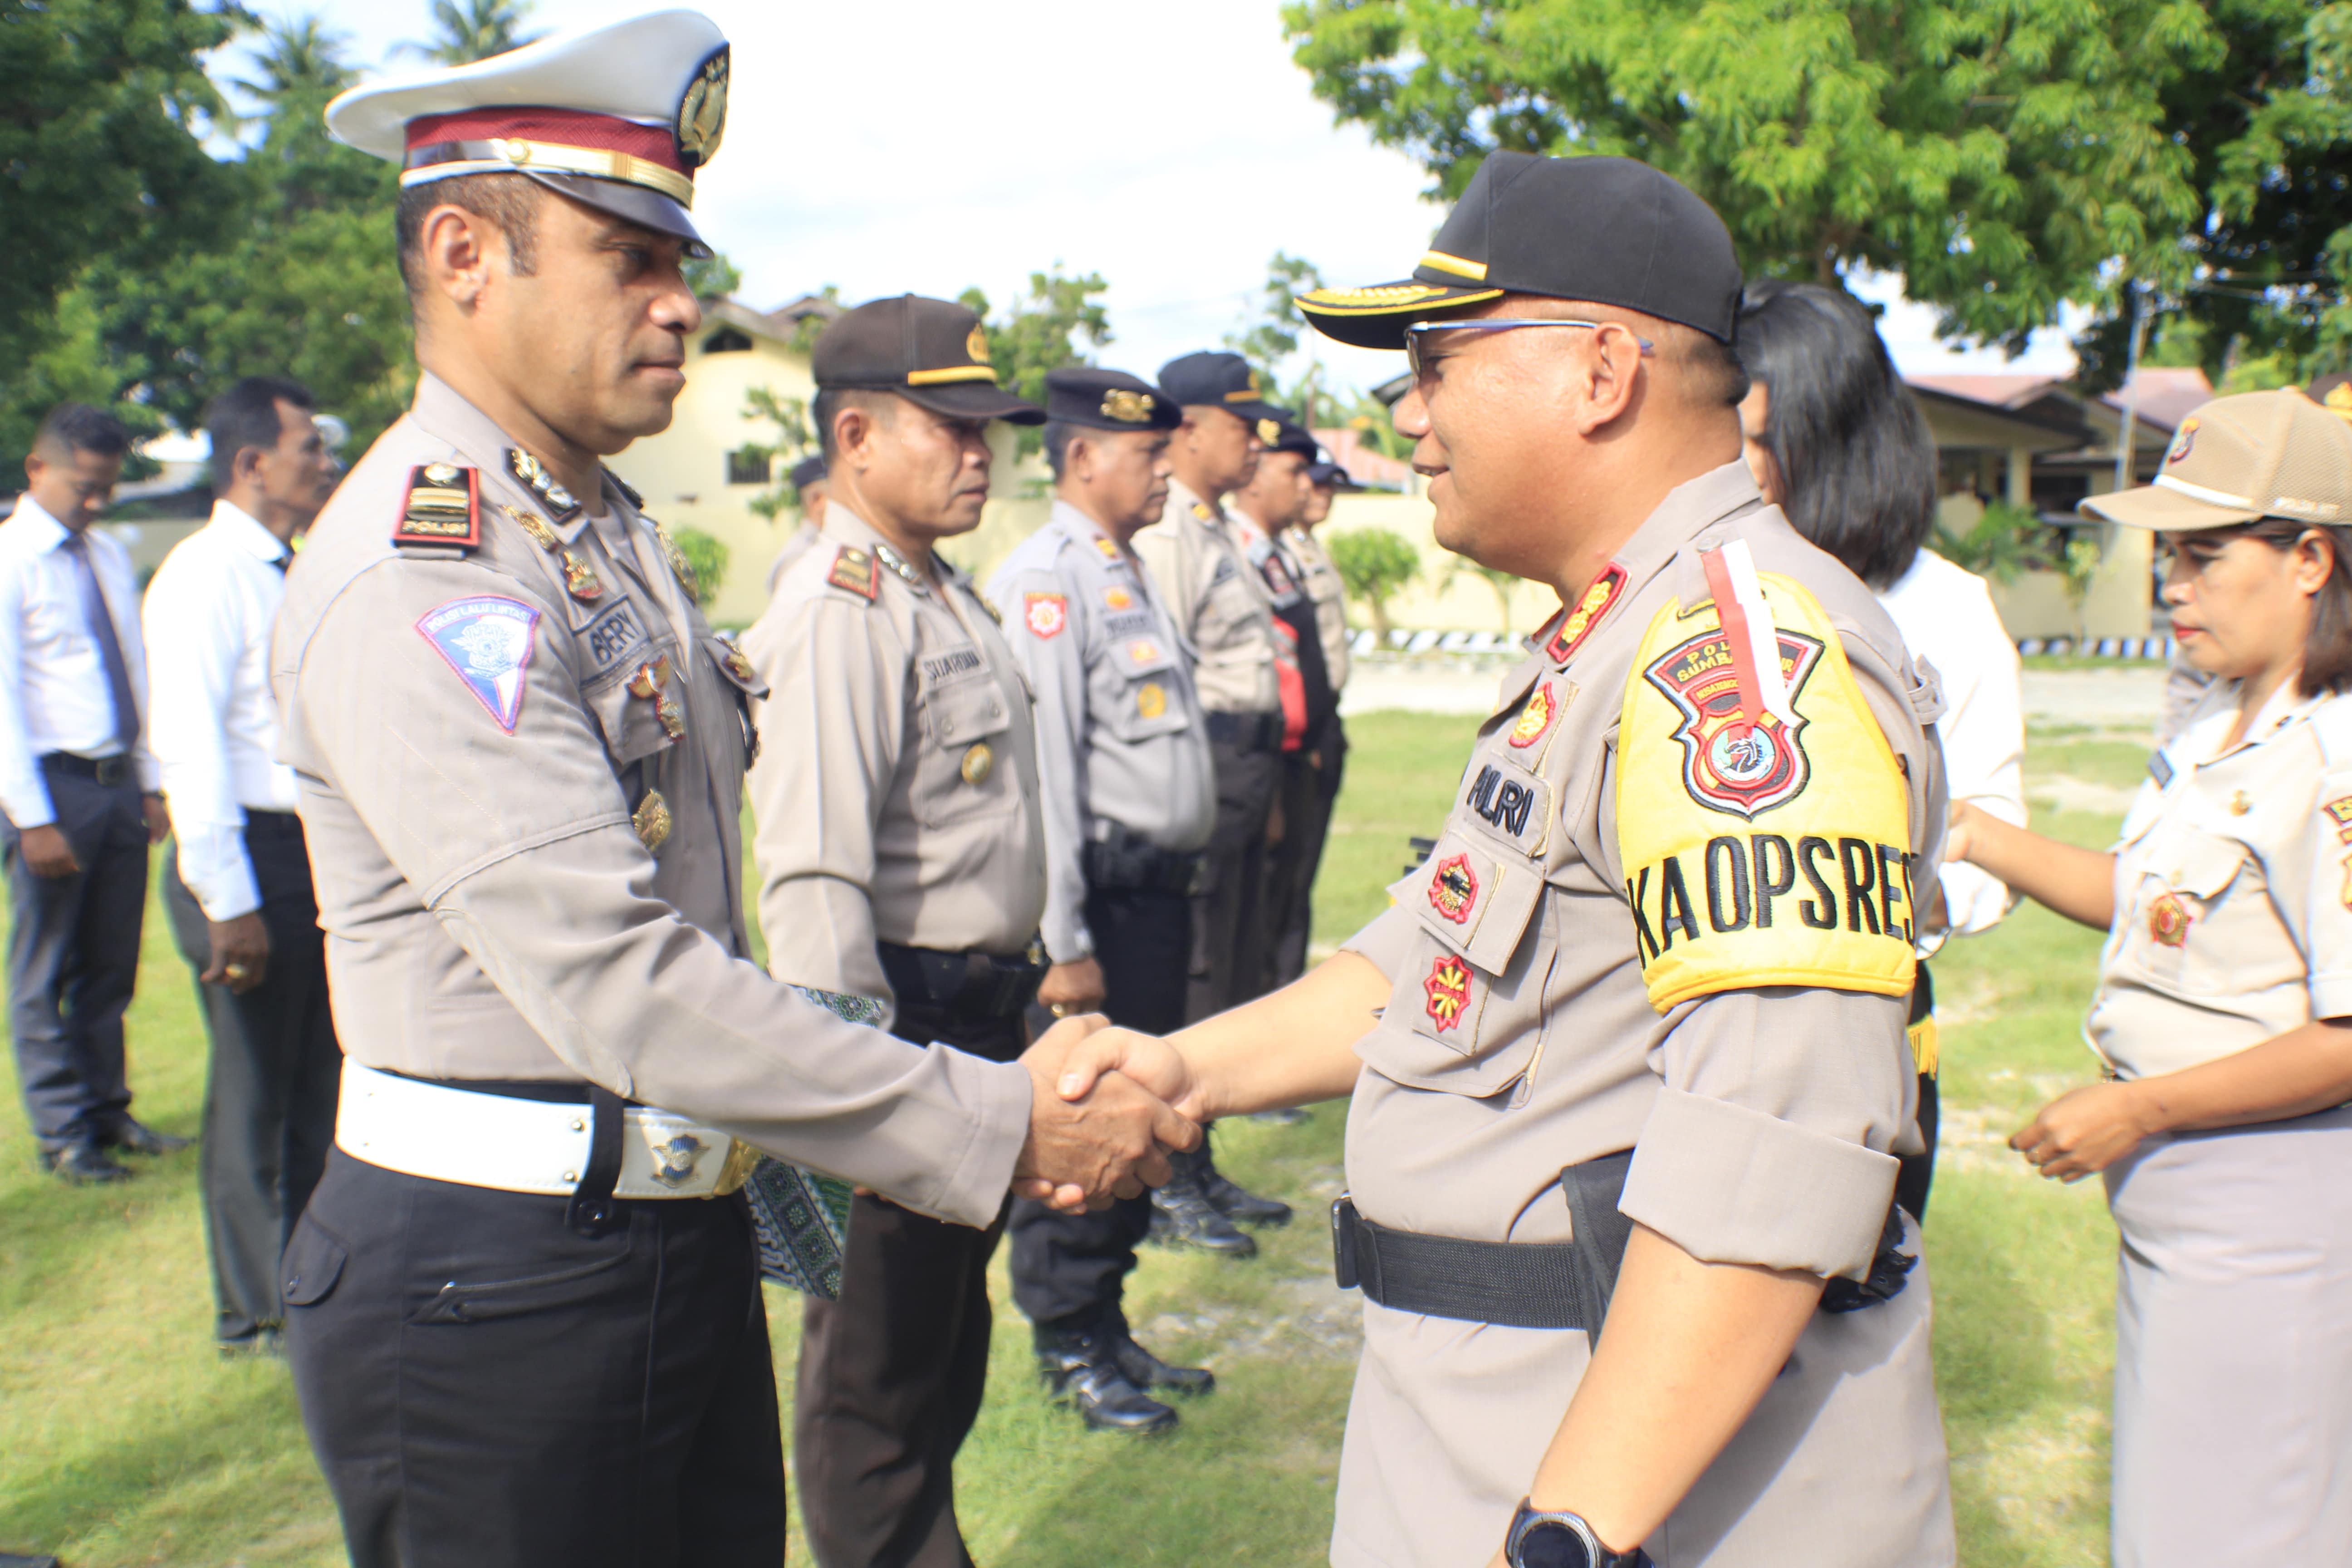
1764,823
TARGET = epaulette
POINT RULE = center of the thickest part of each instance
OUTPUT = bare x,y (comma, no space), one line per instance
627,489
442,511
858,572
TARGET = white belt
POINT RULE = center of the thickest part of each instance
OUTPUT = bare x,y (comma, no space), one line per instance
447,1134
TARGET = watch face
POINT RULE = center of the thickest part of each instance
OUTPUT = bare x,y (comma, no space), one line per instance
1551,1546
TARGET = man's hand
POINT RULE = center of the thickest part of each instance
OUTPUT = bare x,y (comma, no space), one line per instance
46,853
2082,1132
1073,987
159,817
240,953
1082,1154
1149,1060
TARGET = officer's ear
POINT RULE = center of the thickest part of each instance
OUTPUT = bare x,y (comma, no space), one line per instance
857,423
1608,376
459,251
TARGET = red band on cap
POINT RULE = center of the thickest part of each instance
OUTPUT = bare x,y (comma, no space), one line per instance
563,127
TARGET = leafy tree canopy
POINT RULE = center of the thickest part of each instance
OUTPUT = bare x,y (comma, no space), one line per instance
2002,155
1277,342
465,31
1059,321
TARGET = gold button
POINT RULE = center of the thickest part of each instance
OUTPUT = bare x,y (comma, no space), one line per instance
578,1125
571,1175
2240,804
978,763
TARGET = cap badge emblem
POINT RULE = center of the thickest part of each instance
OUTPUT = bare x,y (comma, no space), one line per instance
651,819
702,111
1150,700
1268,432
1126,406
975,344
1453,889
978,763
2183,440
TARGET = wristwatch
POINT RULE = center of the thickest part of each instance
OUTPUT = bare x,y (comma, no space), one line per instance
1542,1540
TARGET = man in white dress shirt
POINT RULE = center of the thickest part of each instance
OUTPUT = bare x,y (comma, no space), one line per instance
80,792
238,891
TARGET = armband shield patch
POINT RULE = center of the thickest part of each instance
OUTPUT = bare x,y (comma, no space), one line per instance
1763,821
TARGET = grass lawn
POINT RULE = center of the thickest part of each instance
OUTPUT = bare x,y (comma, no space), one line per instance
124,1440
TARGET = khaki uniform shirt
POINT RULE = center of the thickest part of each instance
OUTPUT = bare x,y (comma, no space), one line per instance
1197,557
2233,888
1646,928
896,794
1120,737
471,755
802,540
1322,581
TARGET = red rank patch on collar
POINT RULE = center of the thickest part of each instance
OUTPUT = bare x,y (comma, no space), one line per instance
1448,989
1587,615
1045,614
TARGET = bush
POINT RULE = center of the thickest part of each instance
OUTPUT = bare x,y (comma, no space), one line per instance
708,557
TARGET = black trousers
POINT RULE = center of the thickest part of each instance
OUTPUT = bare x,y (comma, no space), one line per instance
73,958
486,1388
1070,1269
269,1095
1915,1175
891,1374
1229,930
1310,783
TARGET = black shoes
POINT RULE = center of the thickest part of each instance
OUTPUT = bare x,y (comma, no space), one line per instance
82,1165
1081,1368
1144,1370
1239,1204
1182,1216
136,1138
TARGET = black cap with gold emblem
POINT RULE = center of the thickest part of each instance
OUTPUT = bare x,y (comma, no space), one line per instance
932,352
1607,230
1100,399
1216,380
1289,435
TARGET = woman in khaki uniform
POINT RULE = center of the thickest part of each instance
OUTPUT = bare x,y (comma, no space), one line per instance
2224,1011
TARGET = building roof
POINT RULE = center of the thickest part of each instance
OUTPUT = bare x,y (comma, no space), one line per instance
2166,394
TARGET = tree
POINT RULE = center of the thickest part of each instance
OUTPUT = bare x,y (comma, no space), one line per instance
469,30
795,440
1271,339
1374,564
712,277
2003,157
1043,332
705,559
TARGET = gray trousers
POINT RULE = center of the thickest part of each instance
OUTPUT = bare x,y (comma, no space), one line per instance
73,957
269,1097
1230,960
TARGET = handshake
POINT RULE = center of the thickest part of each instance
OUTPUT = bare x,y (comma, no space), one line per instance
1107,1107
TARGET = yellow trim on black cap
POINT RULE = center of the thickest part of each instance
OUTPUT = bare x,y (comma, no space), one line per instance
1389,299
1473,271
953,372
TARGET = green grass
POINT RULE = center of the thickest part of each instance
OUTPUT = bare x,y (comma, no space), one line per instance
124,1440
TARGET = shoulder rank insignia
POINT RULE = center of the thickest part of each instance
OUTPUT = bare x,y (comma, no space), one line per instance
1200,510
1579,622
443,506
855,570
1109,551
533,472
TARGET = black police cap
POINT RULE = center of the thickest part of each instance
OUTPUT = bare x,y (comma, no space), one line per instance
1289,435
1108,400
1225,381
1332,476
932,352
1608,230
808,472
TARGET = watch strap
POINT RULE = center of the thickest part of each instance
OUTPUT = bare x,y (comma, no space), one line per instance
1597,1555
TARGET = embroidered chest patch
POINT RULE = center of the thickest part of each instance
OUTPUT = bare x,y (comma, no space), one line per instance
1045,614
488,641
1534,718
1448,991
1453,889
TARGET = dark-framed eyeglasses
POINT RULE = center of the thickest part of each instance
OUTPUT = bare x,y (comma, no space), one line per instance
1418,329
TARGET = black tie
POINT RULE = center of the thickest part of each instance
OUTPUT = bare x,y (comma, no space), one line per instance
109,647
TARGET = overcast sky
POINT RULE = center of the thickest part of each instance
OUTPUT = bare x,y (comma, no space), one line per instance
932,144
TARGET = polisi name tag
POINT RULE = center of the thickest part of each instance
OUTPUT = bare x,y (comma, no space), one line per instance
613,638
1752,859
488,641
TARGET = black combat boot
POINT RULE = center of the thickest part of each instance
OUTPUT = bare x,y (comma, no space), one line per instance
1239,1204
1081,1368
1182,1213
1147,1370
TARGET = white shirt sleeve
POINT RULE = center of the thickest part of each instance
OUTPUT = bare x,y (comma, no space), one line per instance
194,613
24,794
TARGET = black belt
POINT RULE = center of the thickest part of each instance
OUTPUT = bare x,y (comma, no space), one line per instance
1250,732
1127,862
1543,1284
272,823
107,771
981,986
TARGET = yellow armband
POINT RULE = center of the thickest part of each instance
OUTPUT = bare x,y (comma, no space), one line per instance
1757,850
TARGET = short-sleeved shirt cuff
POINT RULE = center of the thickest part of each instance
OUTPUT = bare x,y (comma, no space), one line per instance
1729,1184
2331,996
1387,940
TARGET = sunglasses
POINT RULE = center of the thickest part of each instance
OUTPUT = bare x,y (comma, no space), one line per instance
1414,333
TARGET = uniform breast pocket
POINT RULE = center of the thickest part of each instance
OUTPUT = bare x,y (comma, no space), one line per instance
1144,701
2195,890
1453,1024
641,706
964,772
1231,604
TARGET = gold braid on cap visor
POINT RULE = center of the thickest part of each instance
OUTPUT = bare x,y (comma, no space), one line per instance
509,155
1389,299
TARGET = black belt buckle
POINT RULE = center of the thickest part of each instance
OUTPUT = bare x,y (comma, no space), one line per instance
111,771
1343,1243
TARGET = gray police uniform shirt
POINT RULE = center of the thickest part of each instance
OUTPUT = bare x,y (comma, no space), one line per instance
1312,565
474,765
1749,1047
1121,738
896,794
1219,601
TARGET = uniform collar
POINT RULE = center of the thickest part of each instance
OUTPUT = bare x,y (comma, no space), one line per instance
2201,739
236,526
845,526
45,531
1183,502
440,410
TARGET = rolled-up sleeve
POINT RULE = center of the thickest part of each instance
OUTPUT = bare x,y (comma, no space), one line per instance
519,842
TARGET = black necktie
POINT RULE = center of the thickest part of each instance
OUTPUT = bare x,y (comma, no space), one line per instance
109,647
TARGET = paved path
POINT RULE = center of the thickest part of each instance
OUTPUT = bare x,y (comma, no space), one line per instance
2105,698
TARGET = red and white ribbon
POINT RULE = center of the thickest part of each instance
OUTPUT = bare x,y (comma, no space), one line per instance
1748,626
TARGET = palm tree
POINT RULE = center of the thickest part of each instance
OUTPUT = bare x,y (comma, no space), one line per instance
299,55
471,30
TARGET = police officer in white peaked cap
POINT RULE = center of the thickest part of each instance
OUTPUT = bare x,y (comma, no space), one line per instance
524,1310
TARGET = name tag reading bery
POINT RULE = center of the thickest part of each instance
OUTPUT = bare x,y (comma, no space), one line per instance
1850,884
